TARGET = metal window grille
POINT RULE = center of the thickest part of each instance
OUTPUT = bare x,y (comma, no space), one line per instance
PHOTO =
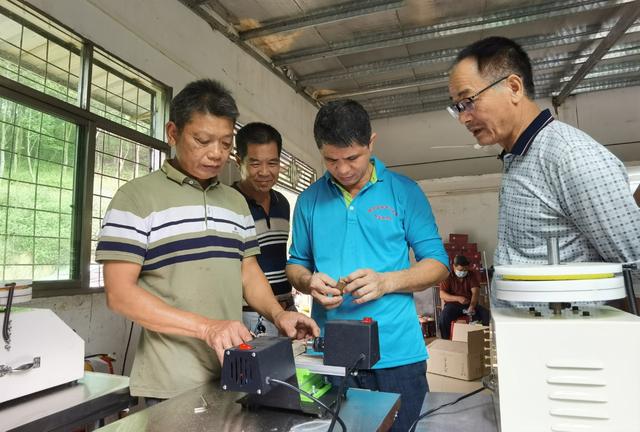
37,172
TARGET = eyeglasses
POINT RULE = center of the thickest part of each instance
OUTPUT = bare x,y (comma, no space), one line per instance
466,104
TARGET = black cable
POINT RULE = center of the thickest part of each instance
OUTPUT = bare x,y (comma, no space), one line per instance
126,350
302,392
431,411
341,389
7,311
628,285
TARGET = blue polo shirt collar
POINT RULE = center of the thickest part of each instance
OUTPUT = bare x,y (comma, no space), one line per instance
525,139
381,170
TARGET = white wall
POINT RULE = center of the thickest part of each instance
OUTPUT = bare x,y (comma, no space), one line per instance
103,331
612,117
466,205
170,43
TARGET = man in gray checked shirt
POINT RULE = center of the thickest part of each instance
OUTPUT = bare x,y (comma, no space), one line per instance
557,180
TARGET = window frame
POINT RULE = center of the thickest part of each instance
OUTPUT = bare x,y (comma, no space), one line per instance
87,125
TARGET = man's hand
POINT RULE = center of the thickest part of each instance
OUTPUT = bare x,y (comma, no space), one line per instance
321,286
463,300
223,334
296,325
366,285
471,310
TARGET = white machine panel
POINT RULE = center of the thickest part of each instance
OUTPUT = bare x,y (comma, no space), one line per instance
39,334
577,371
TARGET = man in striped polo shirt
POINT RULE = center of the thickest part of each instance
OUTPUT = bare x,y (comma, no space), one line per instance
179,250
259,146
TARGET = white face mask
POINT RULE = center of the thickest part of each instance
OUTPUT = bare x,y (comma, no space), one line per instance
461,273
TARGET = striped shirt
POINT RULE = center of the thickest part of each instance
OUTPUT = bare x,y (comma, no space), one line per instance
190,243
559,182
272,230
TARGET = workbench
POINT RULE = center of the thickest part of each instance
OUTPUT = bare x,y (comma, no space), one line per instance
66,407
362,411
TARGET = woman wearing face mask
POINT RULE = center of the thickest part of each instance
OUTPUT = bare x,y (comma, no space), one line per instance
458,292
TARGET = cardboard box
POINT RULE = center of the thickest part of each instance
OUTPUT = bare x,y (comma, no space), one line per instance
441,383
463,356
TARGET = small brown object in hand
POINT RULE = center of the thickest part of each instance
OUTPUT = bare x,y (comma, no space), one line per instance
341,285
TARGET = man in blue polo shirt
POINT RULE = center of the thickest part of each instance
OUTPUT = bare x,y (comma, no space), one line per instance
258,147
356,225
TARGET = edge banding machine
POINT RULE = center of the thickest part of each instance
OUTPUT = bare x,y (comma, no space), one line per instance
38,350
561,360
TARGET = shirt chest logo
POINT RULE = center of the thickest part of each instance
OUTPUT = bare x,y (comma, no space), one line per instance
383,212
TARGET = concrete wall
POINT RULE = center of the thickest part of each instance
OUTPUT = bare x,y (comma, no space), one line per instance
466,205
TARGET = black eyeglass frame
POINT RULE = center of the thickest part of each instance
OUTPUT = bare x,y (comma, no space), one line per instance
466,104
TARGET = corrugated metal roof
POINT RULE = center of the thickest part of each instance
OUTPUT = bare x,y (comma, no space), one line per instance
374,47
393,56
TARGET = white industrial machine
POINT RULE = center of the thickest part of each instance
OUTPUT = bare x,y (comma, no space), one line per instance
37,350
561,361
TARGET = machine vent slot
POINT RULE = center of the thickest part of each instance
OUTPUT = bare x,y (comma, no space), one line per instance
242,372
578,396
585,413
575,364
577,391
576,380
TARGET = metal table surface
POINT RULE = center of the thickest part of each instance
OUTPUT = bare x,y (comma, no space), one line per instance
476,413
63,408
362,411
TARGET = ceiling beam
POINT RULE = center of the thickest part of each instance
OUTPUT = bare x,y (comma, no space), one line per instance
390,85
551,9
440,79
225,28
605,85
561,38
398,111
326,15
544,87
628,15
407,106
425,96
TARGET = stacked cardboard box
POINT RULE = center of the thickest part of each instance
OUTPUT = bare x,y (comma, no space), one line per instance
461,357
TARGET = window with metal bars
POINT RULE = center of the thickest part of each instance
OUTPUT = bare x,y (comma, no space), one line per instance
38,157
75,124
